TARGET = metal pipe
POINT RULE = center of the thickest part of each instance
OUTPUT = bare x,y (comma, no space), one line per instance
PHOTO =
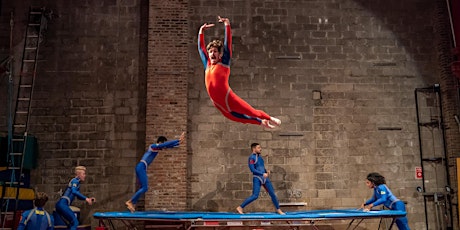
451,22
421,154
11,33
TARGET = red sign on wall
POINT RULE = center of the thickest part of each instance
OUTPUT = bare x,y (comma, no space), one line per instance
418,173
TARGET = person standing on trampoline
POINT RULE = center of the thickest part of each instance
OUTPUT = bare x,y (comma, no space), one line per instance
216,60
147,159
260,178
383,195
72,191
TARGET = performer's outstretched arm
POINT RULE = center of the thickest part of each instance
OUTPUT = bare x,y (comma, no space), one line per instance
167,144
227,54
75,189
201,44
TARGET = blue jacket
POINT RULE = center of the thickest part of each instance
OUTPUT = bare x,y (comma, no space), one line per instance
382,195
72,191
257,166
36,219
152,152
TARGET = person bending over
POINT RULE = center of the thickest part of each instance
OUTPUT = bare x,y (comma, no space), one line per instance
147,159
383,195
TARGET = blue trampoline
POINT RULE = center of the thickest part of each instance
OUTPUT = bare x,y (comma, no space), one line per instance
191,220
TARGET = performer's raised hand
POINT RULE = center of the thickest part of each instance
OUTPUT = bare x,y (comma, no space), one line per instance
205,26
226,21
182,138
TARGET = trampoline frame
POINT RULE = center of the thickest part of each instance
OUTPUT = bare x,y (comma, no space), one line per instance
217,220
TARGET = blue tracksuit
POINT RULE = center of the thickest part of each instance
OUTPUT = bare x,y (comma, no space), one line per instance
62,206
383,195
147,159
36,219
257,167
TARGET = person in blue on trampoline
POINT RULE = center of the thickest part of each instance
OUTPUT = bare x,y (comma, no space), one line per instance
383,195
147,159
260,178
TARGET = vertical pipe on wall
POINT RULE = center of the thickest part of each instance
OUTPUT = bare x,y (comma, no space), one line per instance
454,13
451,21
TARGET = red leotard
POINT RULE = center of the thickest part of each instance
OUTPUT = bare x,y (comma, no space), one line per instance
216,79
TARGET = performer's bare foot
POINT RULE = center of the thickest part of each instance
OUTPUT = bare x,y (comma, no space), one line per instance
130,206
276,121
266,124
280,212
239,209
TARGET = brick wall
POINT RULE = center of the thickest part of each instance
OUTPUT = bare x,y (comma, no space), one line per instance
100,100
365,58
89,101
167,101
450,91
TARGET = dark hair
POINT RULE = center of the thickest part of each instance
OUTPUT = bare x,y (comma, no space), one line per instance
40,199
253,145
376,178
161,139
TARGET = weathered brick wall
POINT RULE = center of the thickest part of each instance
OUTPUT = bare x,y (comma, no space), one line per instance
166,104
365,58
450,96
89,101
96,84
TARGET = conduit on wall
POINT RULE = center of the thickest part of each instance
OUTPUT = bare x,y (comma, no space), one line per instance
454,6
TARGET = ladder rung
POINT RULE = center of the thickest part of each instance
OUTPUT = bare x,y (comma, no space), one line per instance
7,213
20,126
31,48
18,140
34,24
15,154
32,36
29,60
22,112
14,168
433,159
14,183
24,99
25,86
36,12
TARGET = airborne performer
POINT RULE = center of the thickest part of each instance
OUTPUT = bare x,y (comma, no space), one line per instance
216,60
